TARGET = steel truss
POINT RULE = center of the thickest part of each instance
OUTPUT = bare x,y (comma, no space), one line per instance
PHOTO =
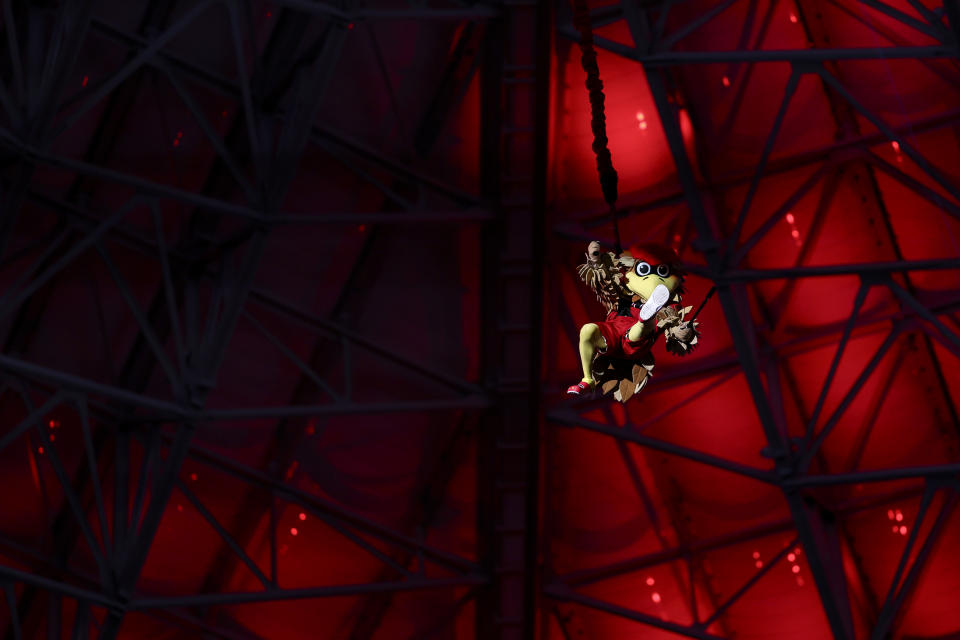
818,527
115,418
277,93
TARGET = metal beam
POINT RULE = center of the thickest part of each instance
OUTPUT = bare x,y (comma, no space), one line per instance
864,268
288,434
56,586
810,526
438,470
459,72
756,577
171,411
570,418
339,143
324,508
333,10
40,92
679,58
839,151
514,146
898,592
563,593
208,352
280,595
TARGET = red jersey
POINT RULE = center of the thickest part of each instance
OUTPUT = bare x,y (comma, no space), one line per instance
614,330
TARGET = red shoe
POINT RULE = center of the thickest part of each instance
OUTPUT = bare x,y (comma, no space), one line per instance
580,388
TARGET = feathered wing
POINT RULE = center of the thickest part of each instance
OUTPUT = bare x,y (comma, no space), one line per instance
603,279
681,336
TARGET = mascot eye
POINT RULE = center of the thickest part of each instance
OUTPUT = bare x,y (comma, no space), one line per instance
663,270
642,268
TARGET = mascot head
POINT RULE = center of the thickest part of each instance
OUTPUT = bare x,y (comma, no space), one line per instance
646,265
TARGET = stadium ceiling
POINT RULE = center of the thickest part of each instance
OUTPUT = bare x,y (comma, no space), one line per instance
288,303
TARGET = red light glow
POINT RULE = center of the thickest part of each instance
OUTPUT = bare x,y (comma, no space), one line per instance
85,80
293,531
796,568
193,477
789,218
650,581
726,81
793,18
791,557
903,531
899,516
303,516
759,564
656,597
756,554
40,450
795,233
896,146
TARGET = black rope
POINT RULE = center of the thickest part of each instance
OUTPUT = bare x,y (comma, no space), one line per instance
709,295
598,120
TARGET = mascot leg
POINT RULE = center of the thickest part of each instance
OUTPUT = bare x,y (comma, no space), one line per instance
591,341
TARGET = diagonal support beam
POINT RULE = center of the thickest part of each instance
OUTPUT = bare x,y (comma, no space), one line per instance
810,524
569,418
858,301
774,218
754,579
905,146
563,593
899,594
792,83
98,93
224,535
208,354
810,452
679,58
934,31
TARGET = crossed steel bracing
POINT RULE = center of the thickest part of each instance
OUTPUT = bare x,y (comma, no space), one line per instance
276,90
276,94
819,530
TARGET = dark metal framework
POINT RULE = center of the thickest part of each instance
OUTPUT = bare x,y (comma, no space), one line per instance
257,157
277,94
817,526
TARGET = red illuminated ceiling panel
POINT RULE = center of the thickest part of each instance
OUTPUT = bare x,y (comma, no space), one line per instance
769,484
